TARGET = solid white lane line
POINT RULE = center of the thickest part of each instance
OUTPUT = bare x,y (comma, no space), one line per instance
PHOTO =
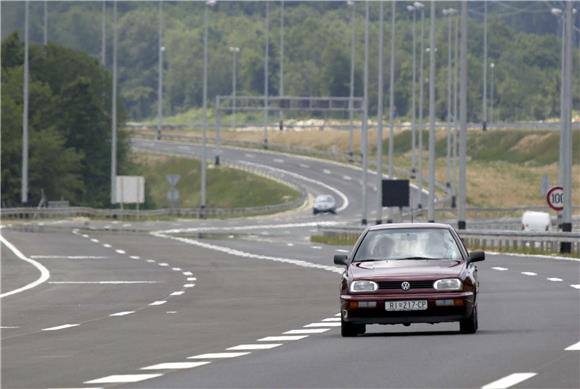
161,302
135,257
508,381
188,285
177,293
67,257
187,273
62,327
554,279
218,355
104,282
574,347
331,319
176,268
500,268
123,378
107,245
175,365
307,331
529,273
326,324
282,338
44,273
120,251
260,346
577,286
125,313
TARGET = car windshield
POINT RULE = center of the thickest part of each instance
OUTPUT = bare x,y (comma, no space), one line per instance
325,199
399,244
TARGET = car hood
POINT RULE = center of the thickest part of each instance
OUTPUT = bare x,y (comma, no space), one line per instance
400,268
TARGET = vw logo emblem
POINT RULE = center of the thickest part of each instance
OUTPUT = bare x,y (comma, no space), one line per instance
405,285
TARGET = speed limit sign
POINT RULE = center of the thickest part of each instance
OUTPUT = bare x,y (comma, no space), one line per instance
555,198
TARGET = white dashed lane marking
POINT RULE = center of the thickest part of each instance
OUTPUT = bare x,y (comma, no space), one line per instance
177,293
175,365
307,331
163,264
331,319
176,268
500,268
282,338
67,257
290,244
95,240
260,346
554,279
107,245
218,355
120,251
151,260
278,160
135,257
509,381
326,171
191,279
123,378
305,166
577,286
529,273
187,273
104,282
348,178
125,313
327,324
62,327
341,251
161,302
188,285
574,347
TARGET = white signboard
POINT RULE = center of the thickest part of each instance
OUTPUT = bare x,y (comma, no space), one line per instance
130,190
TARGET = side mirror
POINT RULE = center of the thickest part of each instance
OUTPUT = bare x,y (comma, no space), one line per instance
340,259
476,256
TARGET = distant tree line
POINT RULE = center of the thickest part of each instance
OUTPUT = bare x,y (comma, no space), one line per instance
69,125
522,45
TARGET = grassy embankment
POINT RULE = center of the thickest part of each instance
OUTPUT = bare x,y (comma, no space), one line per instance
226,187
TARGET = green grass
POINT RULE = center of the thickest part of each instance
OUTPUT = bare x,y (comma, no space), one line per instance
226,187
341,240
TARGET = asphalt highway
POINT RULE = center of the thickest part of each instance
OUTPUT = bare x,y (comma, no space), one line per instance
256,306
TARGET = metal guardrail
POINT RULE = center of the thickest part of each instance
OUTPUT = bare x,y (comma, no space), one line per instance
516,240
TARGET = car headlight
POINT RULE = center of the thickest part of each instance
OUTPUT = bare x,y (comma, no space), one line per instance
363,286
448,284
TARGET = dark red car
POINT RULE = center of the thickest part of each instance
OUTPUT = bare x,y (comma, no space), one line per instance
408,273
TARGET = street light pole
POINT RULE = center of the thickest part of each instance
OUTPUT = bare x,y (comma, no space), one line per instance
412,9
114,112
421,7
561,22
203,202
461,223
484,102
24,184
432,49
160,71
266,58
449,13
234,51
491,94
364,143
392,103
455,110
104,34
45,24
379,177
352,64
281,90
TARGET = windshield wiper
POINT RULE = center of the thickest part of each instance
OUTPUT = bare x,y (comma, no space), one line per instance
412,258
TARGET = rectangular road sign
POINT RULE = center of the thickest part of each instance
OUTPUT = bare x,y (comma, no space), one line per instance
395,193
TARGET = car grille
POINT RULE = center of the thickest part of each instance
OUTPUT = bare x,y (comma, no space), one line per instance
422,284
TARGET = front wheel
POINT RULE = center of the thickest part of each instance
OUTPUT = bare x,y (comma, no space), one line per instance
469,325
348,330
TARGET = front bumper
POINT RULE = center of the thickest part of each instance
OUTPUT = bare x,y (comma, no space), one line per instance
462,308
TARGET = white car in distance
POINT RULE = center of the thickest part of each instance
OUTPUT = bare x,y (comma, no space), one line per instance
324,203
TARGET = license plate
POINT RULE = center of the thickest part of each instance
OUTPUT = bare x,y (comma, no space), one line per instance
408,305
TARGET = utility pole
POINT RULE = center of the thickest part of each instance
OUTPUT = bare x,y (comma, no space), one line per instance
24,186
449,13
379,177
412,9
234,51
392,103
484,103
267,54
421,7
455,112
281,90
432,49
566,126
104,34
114,112
203,201
161,49
491,94
352,64
365,140
461,223
45,24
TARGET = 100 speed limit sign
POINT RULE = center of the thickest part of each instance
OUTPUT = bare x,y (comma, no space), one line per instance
555,198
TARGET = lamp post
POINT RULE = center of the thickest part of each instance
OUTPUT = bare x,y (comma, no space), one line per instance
364,142
412,9
484,102
449,13
234,51
24,178
281,90
491,94
431,208
160,71
104,33
421,7
114,112
561,24
266,59
351,3
45,24
379,176
461,222
392,103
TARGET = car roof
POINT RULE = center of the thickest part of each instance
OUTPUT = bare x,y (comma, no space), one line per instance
390,226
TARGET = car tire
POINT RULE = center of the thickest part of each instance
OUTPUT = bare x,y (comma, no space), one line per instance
348,330
314,211
469,325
